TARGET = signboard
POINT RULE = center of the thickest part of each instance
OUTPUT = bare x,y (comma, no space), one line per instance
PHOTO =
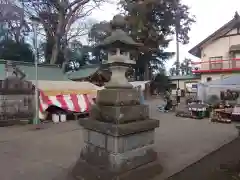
191,87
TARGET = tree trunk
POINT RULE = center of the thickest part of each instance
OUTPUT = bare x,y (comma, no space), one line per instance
65,49
55,51
146,71
49,48
57,40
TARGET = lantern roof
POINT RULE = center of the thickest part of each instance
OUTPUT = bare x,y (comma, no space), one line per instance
118,38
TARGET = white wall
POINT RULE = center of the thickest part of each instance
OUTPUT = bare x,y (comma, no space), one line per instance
220,47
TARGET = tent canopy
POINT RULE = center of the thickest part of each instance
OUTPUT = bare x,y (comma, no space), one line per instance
227,81
66,87
214,87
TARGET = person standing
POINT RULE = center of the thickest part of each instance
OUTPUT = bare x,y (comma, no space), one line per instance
168,98
179,93
140,91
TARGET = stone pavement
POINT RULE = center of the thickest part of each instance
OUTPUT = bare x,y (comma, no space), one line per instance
47,154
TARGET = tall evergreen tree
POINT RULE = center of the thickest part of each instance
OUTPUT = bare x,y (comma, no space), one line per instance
16,51
152,23
185,68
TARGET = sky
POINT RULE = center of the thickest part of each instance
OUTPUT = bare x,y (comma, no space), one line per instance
210,15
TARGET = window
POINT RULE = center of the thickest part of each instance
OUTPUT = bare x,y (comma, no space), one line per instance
216,58
235,62
173,86
214,62
236,55
209,79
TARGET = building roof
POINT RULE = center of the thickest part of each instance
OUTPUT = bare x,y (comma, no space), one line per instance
196,50
45,71
184,77
235,47
83,72
2,71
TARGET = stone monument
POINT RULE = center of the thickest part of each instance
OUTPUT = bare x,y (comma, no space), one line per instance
118,135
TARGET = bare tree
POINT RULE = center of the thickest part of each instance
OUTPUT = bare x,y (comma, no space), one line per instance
59,19
12,20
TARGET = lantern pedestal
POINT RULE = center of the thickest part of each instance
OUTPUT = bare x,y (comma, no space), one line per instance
119,139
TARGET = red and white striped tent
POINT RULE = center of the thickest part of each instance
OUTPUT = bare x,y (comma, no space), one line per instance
70,102
67,95
70,95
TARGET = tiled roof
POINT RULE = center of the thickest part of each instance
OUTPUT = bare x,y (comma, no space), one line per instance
45,71
2,71
196,50
83,72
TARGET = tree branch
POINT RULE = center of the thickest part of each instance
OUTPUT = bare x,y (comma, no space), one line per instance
56,4
79,32
74,18
78,3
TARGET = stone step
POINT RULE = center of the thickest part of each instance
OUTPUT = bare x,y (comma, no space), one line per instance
118,97
119,114
118,130
118,162
118,144
83,170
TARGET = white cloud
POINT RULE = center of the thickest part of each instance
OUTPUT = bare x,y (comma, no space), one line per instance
105,12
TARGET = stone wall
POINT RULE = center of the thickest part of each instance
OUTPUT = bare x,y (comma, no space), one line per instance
16,101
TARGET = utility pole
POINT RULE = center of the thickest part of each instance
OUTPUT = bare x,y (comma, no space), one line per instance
177,26
35,22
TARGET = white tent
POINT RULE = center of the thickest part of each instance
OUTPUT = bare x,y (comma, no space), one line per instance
138,83
67,87
216,86
201,91
233,81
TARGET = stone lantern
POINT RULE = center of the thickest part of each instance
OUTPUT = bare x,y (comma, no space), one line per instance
119,134
118,47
